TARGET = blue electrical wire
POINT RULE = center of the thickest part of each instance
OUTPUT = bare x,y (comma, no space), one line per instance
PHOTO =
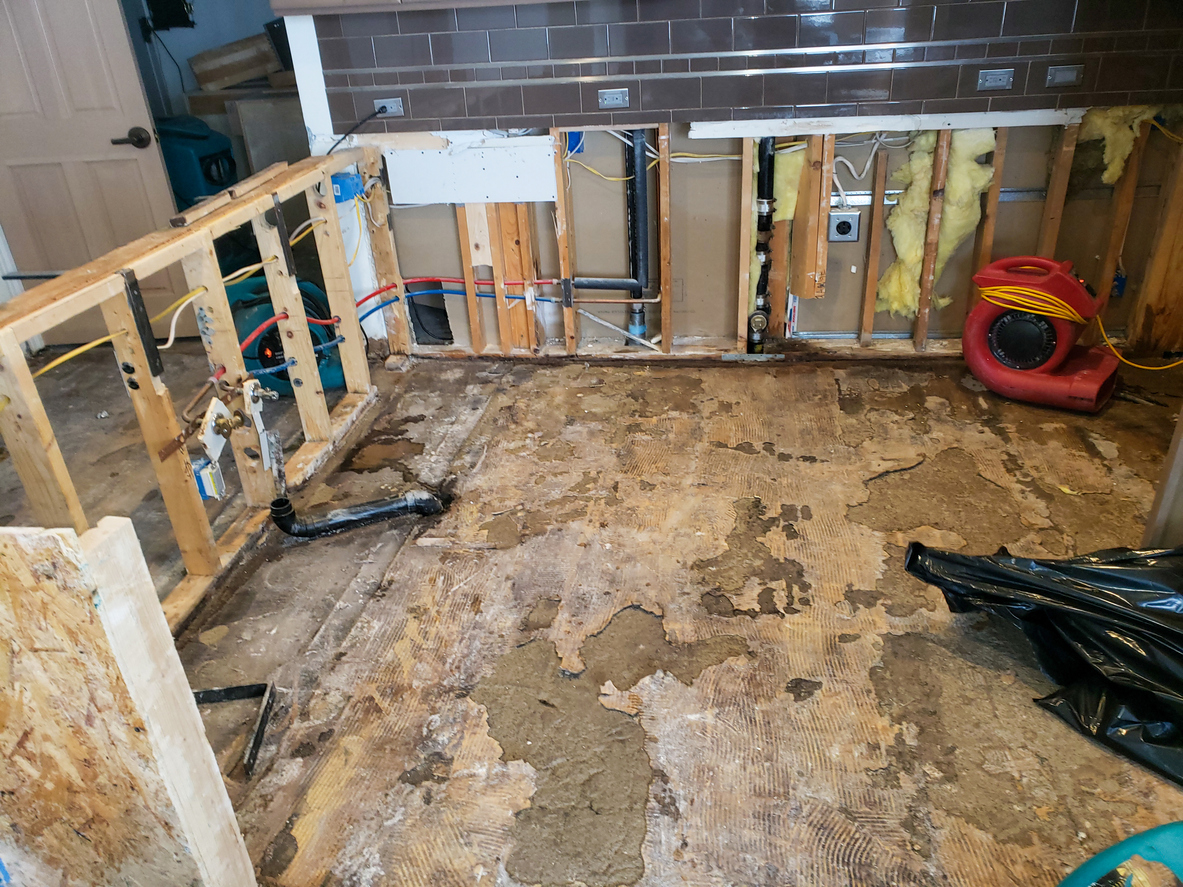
267,371
410,295
333,343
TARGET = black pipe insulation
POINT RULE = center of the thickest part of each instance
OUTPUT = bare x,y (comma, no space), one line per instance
414,502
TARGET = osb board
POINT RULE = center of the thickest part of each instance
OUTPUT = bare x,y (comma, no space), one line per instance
81,800
811,715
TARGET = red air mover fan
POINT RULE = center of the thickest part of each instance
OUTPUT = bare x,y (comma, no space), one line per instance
1020,340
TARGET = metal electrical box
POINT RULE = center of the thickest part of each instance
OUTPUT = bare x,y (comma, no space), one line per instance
843,226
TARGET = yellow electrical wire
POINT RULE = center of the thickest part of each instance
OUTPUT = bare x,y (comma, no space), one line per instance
82,349
1024,298
357,249
305,232
595,171
1166,132
232,277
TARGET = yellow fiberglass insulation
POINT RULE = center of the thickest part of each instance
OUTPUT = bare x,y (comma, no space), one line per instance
1118,127
899,287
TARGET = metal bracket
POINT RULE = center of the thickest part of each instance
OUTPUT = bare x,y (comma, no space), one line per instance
139,311
568,292
246,691
282,229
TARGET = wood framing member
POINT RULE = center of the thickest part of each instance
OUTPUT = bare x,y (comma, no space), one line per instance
566,244
778,276
521,319
293,329
1156,317
398,323
139,763
806,230
874,245
1164,526
932,236
984,237
505,331
30,441
825,185
1119,217
87,286
475,327
746,188
220,338
525,217
159,426
334,267
1057,190
666,270
219,200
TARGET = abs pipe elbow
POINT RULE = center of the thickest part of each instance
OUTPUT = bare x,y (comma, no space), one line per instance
283,514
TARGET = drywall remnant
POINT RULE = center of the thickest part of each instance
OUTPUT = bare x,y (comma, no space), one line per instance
1118,127
899,287
586,820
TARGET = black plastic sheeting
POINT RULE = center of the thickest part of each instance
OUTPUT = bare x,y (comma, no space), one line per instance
1107,627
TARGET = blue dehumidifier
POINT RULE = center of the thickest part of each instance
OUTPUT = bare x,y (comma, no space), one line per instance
250,303
198,159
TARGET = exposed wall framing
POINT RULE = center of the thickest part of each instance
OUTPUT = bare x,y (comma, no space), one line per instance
110,283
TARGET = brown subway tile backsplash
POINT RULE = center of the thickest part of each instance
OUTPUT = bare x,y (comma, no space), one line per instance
859,86
734,91
831,29
521,45
966,21
462,47
486,18
578,42
639,38
911,24
765,32
411,51
701,35
543,64
1038,17
551,98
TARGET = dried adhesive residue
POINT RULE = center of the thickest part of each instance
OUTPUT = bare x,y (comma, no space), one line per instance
747,557
586,821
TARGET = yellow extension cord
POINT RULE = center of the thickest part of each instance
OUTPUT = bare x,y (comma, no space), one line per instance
1025,298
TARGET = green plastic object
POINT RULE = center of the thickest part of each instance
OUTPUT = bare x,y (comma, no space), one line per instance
1163,845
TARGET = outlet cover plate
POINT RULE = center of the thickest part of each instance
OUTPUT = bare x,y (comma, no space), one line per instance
394,107
613,98
1065,75
996,79
844,227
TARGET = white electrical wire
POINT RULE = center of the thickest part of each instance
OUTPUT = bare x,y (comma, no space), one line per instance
172,327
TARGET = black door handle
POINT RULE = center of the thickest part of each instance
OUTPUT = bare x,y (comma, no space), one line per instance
137,137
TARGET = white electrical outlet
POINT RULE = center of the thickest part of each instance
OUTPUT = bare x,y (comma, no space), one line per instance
613,98
998,78
389,107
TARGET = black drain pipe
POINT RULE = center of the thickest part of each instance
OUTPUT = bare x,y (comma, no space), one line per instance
759,318
636,169
414,502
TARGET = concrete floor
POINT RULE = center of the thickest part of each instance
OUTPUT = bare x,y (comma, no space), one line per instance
663,635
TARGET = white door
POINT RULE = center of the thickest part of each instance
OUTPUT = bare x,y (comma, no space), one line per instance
68,86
